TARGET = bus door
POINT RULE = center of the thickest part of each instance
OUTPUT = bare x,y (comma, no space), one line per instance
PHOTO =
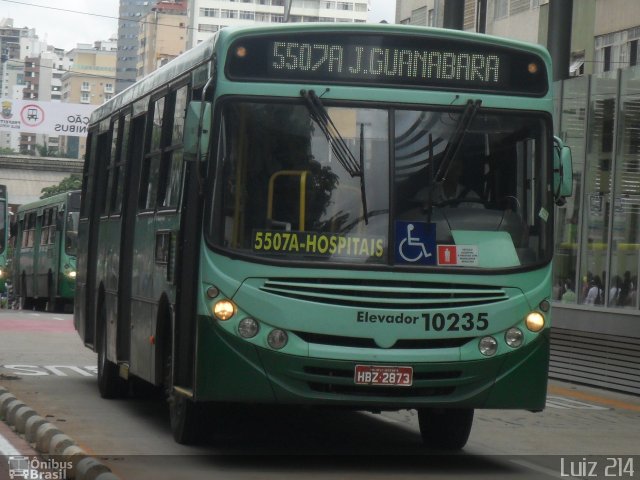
85,316
187,249
134,150
156,233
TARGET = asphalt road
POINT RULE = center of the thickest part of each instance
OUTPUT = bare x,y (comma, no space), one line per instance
43,363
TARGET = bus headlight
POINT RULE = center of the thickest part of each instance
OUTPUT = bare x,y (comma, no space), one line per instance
277,339
1,273
248,328
71,274
224,309
535,321
488,346
514,337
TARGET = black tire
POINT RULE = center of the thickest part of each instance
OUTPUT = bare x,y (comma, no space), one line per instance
186,418
185,415
25,302
109,382
51,296
445,429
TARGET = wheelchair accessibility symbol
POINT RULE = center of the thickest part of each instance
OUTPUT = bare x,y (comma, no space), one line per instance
415,243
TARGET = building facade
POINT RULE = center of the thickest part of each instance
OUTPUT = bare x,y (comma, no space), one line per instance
208,16
163,36
90,80
130,17
596,320
43,82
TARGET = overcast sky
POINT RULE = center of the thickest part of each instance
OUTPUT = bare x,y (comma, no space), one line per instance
57,23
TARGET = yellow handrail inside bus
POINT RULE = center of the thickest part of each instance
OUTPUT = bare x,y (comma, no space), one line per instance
302,202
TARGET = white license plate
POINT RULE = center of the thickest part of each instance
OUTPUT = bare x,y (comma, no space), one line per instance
385,375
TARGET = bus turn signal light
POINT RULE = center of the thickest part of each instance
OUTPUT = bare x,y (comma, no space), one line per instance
224,309
535,321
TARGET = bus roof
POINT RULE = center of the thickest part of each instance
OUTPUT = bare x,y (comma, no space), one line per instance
204,52
52,200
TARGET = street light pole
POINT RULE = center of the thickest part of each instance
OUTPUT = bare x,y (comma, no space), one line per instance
559,37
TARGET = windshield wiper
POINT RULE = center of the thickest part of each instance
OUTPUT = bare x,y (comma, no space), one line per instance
337,144
454,144
450,152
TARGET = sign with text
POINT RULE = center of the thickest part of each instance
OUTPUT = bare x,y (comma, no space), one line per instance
49,118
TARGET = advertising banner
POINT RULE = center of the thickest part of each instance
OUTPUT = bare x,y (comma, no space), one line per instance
49,118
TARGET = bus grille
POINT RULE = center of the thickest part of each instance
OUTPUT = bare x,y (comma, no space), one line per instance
384,294
403,344
390,392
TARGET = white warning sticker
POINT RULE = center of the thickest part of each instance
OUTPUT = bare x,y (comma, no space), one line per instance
458,255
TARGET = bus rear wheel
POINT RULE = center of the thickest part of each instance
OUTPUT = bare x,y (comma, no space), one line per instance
445,429
26,303
51,296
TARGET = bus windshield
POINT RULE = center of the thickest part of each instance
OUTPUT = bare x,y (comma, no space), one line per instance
285,192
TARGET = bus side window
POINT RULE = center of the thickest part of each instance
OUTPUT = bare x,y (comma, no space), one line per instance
21,232
173,159
111,167
46,221
151,166
119,169
54,226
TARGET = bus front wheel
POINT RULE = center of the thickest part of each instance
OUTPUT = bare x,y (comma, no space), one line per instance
110,384
445,429
184,414
185,419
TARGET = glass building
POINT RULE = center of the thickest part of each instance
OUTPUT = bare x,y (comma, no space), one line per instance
597,243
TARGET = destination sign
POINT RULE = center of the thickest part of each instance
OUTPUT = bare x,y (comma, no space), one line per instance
388,60
375,62
312,243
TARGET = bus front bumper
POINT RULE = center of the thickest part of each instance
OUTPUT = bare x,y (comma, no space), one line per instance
232,370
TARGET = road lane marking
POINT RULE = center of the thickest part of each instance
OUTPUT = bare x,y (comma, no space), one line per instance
588,397
568,403
55,370
6,448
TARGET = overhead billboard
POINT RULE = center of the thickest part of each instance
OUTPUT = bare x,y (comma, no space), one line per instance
49,118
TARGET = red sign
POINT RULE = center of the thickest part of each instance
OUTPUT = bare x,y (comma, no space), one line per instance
447,255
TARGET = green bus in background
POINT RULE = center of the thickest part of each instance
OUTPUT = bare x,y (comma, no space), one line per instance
44,265
349,216
4,237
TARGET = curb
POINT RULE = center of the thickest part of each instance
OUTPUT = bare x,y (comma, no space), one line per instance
49,441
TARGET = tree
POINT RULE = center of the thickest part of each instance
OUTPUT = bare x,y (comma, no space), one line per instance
72,182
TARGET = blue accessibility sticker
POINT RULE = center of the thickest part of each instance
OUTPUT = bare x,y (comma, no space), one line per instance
415,243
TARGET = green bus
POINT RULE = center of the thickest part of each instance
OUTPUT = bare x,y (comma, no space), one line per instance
44,264
352,216
5,228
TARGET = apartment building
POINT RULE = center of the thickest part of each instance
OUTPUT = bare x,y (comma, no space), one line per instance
130,17
163,36
209,16
90,80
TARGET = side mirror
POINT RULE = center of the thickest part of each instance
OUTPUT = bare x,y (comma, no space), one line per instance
197,131
562,171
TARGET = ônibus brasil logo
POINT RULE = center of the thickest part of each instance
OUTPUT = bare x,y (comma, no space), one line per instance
32,468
